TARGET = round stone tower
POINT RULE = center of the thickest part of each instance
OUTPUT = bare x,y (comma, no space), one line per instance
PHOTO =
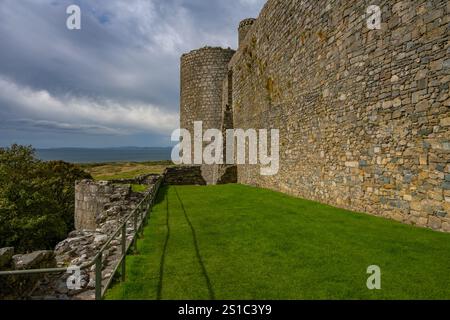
202,74
244,27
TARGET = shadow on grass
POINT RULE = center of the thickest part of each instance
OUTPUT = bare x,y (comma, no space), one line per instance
197,250
162,194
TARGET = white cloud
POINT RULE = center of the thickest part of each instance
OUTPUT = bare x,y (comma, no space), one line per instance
118,75
83,112
46,125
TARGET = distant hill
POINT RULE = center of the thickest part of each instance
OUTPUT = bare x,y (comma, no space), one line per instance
97,155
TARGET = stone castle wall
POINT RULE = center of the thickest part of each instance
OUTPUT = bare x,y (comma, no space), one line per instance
244,27
363,114
202,75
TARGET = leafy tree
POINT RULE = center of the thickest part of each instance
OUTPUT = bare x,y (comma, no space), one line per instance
36,199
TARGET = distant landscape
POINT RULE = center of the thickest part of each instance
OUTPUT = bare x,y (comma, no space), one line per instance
124,170
103,155
37,192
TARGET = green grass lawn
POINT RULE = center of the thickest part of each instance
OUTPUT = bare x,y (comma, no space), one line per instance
239,242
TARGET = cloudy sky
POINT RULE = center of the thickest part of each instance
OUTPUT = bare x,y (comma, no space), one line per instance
115,82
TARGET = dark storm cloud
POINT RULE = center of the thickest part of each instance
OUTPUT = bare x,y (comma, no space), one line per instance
118,75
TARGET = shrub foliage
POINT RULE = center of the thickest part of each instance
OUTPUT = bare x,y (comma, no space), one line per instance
37,199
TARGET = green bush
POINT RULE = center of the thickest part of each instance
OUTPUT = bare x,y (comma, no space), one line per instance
36,199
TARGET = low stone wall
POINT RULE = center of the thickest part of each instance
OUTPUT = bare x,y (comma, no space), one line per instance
92,197
143,179
200,175
184,175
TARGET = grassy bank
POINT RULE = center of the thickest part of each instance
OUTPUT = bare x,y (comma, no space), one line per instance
238,242
125,170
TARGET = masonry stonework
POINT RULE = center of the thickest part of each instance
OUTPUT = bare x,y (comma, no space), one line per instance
184,175
107,205
364,115
90,199
244,26
202,75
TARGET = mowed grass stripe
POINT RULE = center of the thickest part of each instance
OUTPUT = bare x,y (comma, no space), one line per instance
184,279
259,244
157,273
143,270
164,252
197,250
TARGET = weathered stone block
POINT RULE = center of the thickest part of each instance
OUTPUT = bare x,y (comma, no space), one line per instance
36,259
6,256
352,164
434,223
446,226
422,106
445,122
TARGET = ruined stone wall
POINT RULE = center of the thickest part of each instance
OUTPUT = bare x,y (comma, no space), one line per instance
363,114
81,246
184,175
90,199
98,221
20,287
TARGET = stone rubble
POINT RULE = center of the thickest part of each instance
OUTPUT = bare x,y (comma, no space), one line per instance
81,246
